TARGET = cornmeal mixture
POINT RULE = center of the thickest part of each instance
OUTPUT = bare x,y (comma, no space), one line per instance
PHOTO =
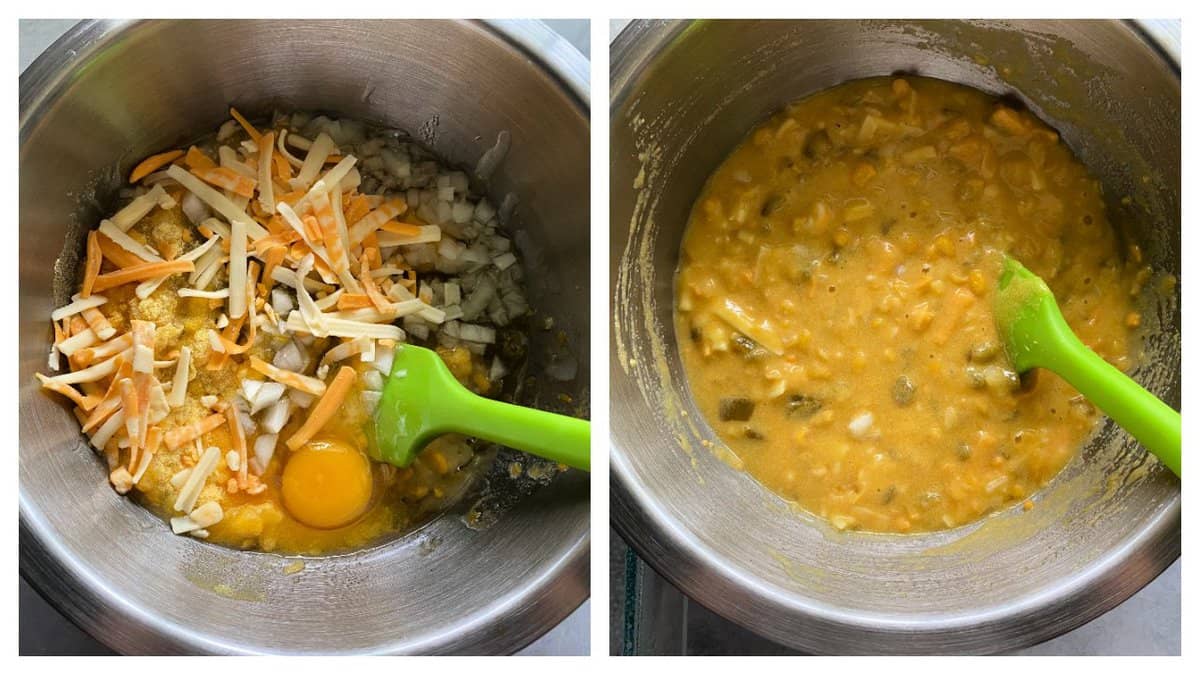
237,318
834,302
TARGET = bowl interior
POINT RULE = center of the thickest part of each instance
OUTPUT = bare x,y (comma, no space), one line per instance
683,97
109,94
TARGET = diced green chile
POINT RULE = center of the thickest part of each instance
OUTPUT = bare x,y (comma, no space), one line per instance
750,349
803,406
736,409
817,145
889,494
903,390
771,204
744,343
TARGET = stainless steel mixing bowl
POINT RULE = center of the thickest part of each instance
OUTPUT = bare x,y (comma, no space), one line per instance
109,93
683,95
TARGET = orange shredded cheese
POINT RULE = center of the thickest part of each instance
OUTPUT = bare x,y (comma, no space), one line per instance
325,408
85,402
91,268
271,260
266,189
282,168
371,252
141,272
304,383
190,432
354,301
227,179
153,163
196,159
404,229
153,440
129,405
89,355
377,299
250,130
99,323
115,254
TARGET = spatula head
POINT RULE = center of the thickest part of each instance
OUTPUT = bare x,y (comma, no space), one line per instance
1026,314
416,397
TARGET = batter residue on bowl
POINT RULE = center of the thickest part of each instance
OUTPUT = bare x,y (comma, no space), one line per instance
834,302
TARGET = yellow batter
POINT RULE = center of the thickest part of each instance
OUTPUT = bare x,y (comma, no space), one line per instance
834,302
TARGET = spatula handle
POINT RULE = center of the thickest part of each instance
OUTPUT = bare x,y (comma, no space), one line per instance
1153,423
559,438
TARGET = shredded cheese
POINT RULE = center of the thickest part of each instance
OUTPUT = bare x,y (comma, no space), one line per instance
134,211
429,234
304,383
219,202
325,408
318,150
78,305
188,433
153,163
179,384
194,484
80,340
346,328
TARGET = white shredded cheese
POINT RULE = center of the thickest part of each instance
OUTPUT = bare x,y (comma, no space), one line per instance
237,271
147,287
180,382
76,306
318,151
107,430
287,277
137,209
200,250
80,340
346,328
143,359
195,481
91,374
118,237
210,295
206,515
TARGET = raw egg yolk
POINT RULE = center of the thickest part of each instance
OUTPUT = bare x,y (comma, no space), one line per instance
326,484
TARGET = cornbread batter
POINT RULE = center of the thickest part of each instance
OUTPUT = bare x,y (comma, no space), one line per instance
834,302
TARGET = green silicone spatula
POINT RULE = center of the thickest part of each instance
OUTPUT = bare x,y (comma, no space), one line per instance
422,400
1036,335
